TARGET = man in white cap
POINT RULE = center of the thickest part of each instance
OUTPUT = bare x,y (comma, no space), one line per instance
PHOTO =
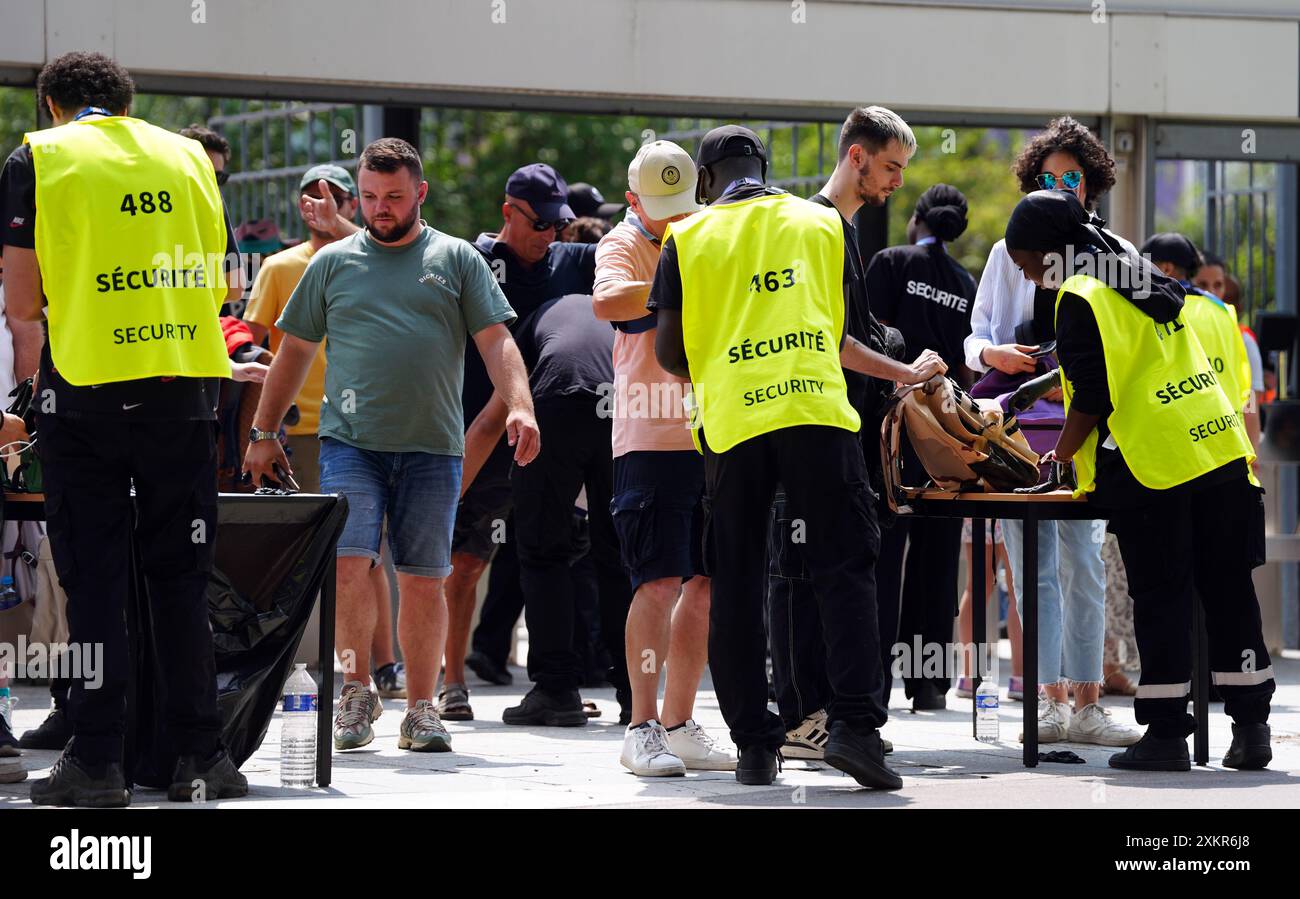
658,481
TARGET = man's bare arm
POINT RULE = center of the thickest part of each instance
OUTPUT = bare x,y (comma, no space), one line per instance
505,368
621,301
24,296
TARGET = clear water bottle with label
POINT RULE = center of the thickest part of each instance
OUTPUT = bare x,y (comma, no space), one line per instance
986,710
298,730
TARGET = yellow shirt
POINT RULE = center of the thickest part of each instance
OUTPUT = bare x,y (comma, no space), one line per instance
276,279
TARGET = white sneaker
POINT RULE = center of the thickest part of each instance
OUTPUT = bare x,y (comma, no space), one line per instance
646,754
1093,724
1053,721
808,740
696,749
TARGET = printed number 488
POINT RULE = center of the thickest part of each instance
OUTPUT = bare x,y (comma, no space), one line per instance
147,203
770,282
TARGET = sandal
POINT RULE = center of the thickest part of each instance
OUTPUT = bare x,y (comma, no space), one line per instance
590,709
453,703
1117,684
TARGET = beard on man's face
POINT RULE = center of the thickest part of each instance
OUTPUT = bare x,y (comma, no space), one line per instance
389,230
867,192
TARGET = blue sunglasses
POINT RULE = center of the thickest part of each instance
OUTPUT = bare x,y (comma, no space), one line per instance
1069,180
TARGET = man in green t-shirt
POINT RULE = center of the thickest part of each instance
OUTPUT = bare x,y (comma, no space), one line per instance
396,301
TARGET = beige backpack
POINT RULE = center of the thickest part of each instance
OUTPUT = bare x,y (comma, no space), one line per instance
964,443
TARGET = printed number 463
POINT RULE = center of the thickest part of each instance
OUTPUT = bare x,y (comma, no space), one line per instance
147,202
770,282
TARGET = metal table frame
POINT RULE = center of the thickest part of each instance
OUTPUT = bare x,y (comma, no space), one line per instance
1030,510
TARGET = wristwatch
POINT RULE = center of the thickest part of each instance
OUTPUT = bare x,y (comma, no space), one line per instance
255,435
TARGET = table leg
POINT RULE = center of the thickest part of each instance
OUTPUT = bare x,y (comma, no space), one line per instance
325,700
1200,684
979,626
1029,629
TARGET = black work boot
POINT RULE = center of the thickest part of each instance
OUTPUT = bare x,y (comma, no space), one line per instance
928,698
559,709
488,669
199,780
758,766
53,733
89,786
1153,753
1250,749
861,756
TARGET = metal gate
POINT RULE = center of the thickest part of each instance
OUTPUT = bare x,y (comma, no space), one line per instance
1241,204
272,145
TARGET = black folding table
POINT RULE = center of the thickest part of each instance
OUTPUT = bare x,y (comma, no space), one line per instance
1030,509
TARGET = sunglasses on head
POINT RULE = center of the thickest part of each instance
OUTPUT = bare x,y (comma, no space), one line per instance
1069,180
538,224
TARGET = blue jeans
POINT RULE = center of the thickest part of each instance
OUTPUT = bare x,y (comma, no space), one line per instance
1071,596
418,493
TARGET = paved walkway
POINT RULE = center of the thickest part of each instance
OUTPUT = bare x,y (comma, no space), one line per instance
942,766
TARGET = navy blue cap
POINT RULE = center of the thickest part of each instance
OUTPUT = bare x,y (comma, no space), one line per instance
543,188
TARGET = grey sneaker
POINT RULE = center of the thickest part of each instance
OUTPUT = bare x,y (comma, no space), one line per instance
358,707
453,703
422,729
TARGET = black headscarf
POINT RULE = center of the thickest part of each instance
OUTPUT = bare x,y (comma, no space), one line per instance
943,209
1054,221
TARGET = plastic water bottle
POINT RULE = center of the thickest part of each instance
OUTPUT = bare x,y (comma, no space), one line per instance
986,711
8,595
7,703
298,730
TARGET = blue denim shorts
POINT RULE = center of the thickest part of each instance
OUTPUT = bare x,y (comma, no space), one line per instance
417,492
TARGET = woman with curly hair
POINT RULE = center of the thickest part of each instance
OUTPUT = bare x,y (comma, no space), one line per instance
1071,575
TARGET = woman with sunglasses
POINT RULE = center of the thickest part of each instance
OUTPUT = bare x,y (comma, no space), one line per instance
1005,331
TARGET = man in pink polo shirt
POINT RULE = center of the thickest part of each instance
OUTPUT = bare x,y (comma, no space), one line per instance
658,482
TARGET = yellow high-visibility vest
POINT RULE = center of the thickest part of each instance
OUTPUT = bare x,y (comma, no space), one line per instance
1170,419
763,317
1215,324
130,238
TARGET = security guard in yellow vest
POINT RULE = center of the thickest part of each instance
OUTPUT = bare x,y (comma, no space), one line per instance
750,301
1157,443
115,233
1213,320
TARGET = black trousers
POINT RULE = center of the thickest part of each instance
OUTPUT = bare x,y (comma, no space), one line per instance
1183,545
576,452
826,489
90,467
502,603
794,623
916,581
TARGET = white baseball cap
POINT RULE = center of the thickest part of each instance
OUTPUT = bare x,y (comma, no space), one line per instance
663,176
